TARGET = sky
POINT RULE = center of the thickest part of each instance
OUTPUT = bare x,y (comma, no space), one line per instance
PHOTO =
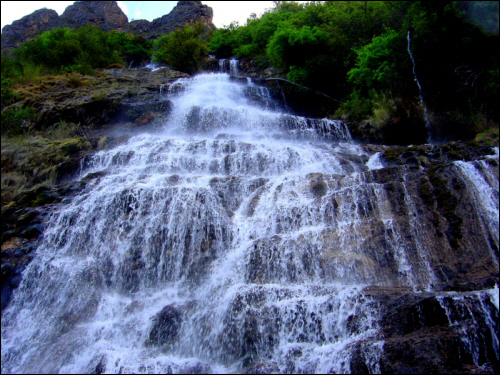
225,12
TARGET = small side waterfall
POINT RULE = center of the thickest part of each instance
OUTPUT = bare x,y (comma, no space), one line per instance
421,95
229,66
242,239
234,67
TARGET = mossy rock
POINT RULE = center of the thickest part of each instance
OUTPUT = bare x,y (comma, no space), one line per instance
32,231
37,197
393,154
488,138
27,218
93,176
73,145
26,198
44,198
425,191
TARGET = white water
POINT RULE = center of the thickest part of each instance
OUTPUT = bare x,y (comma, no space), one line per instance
252,230
484,186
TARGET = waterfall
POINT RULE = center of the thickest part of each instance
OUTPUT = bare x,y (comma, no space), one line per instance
223,65
233,64
421,95
229,66
239,238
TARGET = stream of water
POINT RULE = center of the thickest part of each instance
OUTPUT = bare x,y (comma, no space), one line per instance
237,237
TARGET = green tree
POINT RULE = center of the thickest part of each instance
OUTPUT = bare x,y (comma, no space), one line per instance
223,41
185,49
378,62
8,95
81,49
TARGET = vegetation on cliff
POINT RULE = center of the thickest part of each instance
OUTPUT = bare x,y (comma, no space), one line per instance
79,50
358,51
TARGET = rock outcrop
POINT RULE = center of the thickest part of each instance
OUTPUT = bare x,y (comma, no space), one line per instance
106,15
185,12
27,27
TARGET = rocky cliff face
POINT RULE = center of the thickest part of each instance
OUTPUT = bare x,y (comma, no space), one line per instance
186,12
31,25
106,15
374,259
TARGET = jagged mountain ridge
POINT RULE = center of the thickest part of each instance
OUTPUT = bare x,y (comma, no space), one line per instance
106,15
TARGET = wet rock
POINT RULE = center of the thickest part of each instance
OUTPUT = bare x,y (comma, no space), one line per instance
166,326
301,101
32,232
15,258
133,109
100,367
318,188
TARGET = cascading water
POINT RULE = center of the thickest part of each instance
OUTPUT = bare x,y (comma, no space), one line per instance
234,69
238,239
421,95
229,66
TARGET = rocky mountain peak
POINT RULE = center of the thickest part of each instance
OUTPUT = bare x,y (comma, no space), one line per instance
185,12
25,28
106,15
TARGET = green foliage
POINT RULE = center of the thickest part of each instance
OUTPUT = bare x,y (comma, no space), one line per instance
290,46
134,50
377,62
8,95
185,49
352,50
80,50
223,42
357,106
15,120
9,66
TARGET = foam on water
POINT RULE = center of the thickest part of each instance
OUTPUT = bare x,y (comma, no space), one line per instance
239,230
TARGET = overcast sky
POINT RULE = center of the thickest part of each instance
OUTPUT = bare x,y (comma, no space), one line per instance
225,12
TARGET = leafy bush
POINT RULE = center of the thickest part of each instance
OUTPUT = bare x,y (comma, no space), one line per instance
377,61
223,42
184,49
8,95
15,120
80,50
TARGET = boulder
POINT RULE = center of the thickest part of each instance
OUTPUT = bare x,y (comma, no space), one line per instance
166,326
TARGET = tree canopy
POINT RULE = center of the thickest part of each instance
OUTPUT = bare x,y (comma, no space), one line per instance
185,49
